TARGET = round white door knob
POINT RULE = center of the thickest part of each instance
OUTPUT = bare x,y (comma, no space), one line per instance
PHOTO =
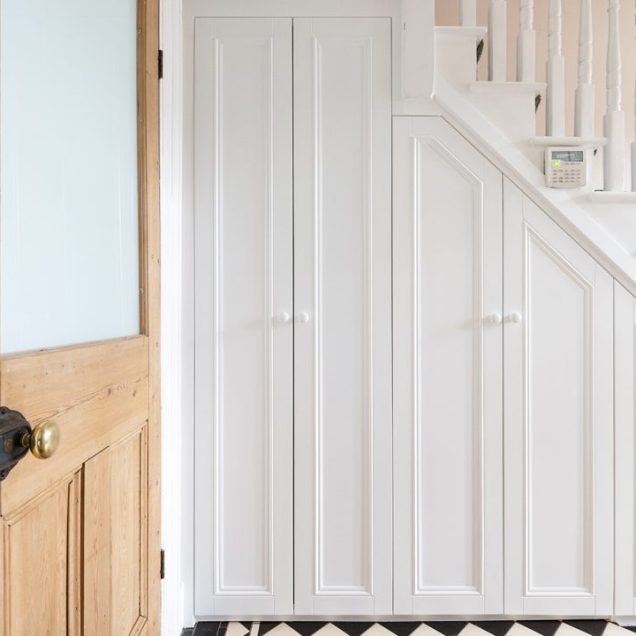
303,316
514,317
494,319
283,317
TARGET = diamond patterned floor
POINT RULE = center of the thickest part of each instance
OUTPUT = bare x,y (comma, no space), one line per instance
437,628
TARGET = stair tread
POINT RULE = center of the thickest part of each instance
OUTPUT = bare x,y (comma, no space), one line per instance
606,197
590,143
534,88
477,33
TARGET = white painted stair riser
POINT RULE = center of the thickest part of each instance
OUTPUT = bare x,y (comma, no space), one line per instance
456,53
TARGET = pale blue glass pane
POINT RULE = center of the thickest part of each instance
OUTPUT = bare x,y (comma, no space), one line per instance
69,269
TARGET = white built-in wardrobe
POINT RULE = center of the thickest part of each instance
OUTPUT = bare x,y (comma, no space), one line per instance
404,370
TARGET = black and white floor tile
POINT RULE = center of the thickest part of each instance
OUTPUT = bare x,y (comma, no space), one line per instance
397,628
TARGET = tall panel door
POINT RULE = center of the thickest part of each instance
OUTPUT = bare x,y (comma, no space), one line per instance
243,306
79,318
342,302
625,451
447,387
558,399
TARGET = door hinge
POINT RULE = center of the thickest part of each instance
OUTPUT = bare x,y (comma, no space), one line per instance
160,63
162,567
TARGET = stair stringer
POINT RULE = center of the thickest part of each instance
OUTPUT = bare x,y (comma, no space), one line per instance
604,226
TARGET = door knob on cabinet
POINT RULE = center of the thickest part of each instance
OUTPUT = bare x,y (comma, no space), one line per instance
514,317
302,316
494,319
283,317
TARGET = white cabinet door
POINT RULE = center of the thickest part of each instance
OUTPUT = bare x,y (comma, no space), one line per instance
625,453
243,342
342,334
558,414
447,339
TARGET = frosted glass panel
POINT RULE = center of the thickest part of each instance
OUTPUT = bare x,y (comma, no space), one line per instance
69,269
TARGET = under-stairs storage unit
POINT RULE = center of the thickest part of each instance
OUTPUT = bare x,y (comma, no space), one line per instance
403,367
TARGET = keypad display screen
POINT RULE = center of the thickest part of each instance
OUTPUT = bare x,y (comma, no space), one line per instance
567,155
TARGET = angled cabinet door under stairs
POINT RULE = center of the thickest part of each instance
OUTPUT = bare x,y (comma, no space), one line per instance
447,383
292,316
558,419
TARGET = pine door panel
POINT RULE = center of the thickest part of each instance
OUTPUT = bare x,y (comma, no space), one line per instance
342,299
40,563
625,449
97,392
559,420
447,390
115,526
243,339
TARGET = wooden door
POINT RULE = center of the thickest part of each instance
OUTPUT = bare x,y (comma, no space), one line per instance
558,415
243,309
625,451
342,304
79,535
447,379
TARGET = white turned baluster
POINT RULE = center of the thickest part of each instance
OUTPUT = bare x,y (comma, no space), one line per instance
614,151
555,108
468,13
526,43
498,46
585,94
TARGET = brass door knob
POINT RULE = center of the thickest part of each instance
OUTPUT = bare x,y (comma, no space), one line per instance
43,440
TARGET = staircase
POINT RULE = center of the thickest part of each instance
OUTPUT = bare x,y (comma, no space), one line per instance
500,117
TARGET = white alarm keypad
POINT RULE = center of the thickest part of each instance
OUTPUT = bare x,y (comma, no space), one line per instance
565,168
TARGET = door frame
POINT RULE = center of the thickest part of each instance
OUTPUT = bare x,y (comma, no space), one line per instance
150,276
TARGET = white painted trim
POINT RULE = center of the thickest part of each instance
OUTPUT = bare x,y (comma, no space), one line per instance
176,461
